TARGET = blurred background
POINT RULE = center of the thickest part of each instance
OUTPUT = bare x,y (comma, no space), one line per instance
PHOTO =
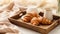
2,2
59,8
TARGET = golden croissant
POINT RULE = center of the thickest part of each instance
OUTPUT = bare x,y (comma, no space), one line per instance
40,20
27,17
34,21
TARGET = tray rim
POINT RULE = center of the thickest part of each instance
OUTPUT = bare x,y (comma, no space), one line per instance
44,30
36,26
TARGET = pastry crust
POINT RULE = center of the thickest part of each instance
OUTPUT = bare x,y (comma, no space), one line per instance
45,21
40,20
27,17
34,21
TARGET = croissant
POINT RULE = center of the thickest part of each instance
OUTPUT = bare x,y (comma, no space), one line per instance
46,21
34,21
27,17
40,20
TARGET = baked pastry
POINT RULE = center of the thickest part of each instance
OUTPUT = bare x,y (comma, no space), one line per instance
27,17
34,21
44,20
40,20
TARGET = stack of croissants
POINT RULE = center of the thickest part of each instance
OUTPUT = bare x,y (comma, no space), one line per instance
35,19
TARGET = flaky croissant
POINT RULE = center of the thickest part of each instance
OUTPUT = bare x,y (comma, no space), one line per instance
34,21
27,17
40,20
46,21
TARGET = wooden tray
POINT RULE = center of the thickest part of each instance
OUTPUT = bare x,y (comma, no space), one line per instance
43,29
